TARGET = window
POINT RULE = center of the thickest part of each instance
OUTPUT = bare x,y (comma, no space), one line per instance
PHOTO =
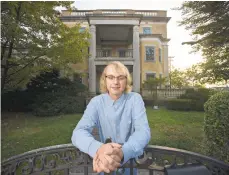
150,75
159,54
149,53
82,29
146,30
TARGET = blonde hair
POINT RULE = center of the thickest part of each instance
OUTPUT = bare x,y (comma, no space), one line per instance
118,67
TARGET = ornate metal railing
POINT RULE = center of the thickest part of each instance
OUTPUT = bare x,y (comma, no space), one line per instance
66,159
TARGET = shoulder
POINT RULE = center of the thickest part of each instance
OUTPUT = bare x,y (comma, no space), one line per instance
98,98
133,96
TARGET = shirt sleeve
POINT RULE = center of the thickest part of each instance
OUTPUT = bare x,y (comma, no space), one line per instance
141,136
82,137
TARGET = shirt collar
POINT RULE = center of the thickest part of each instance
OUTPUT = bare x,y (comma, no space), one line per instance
112,102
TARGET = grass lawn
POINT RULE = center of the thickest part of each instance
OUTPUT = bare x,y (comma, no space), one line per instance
24,132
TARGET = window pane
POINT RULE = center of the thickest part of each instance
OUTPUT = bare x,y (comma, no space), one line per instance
146,30
150,76
150,53
82,29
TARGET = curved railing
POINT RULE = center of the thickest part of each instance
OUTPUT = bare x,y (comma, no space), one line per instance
66,159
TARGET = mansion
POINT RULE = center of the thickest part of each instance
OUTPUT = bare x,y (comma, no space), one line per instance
137,38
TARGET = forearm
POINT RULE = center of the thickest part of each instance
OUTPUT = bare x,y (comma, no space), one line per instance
82,136
136,143
141,136
85,142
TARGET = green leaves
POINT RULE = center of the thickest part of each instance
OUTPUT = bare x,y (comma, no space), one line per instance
216,125
35,40
177,79
209,25
152,83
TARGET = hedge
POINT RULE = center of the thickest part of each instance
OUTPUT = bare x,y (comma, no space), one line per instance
197,97
51,104
216,126
179,104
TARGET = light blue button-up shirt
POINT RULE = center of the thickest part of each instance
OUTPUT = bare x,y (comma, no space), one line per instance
124,120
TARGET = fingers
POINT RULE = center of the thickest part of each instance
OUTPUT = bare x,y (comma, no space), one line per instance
108,148
114,151
115,158
95,159
101,164
105,163
107,158
112,164
111,151
103,167
116,145
97,166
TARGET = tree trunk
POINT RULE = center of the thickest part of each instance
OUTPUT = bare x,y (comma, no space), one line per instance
6,66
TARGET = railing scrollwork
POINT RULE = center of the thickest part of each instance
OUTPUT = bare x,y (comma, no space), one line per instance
66,159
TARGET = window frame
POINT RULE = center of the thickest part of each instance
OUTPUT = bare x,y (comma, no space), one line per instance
153,60
81,31
150,73
150,30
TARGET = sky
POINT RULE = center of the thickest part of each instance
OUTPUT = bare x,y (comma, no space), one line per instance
180,54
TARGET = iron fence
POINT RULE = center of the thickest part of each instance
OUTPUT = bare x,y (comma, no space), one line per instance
66,159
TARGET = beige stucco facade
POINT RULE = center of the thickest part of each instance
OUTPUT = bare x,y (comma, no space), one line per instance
135,37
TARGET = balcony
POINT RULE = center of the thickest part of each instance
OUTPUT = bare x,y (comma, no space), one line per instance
104,53
144,13
155,15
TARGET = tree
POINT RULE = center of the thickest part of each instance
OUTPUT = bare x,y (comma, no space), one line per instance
215,71
33,39
209,25
177,79
194,75
152,84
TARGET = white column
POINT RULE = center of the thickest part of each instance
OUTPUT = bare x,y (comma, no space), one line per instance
92,68
166,68
136,56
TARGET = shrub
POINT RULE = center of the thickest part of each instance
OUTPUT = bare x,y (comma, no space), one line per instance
201,94
46,82
153,102
45,86
198,97
62,100
179,104
16,101
56,103
148,102
216,126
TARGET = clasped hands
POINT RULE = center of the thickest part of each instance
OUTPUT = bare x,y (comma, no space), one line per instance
108,158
